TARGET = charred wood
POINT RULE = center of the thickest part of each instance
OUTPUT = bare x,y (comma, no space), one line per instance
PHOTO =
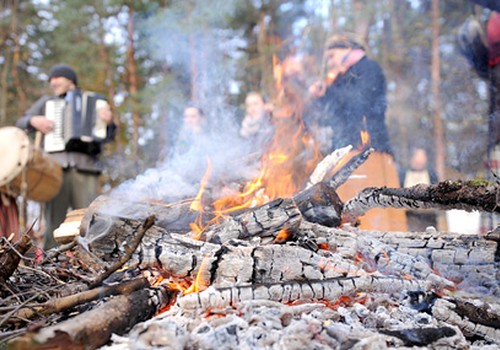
11,256
327,165
320,204
342,175
471,195
93,328
479,319
329,290
280,216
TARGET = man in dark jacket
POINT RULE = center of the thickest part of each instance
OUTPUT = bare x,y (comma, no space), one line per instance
80,170
352,101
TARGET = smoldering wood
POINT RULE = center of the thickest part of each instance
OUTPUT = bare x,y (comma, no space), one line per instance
468,195
93,328
326,165
320,204
342,175
471,260
223,265
172,216
266,221
67,302
388,261
11,256
452,312
129,250
311,290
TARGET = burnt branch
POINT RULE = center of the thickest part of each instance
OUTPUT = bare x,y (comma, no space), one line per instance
471,195
342,175
11,256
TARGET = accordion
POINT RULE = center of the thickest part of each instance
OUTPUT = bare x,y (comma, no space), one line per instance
77,126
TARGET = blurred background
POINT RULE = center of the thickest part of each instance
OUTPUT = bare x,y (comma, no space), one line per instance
151,58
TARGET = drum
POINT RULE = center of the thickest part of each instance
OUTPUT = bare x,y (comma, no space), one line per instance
22,163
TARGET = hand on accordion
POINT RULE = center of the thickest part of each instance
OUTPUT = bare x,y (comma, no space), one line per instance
42,124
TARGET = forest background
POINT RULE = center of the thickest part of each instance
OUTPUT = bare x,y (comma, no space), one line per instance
152,58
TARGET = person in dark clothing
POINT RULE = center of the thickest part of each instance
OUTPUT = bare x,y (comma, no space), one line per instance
80,170
352,101
482,50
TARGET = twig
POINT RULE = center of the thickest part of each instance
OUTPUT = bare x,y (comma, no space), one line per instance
129,250
52,253
327,165
470,195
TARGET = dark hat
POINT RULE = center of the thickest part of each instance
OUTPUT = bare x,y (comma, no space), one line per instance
63,70
344,41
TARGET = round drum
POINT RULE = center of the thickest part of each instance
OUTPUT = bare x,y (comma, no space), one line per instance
20,162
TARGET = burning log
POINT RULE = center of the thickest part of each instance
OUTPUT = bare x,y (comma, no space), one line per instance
311,290
320,204
471,195
475,318
280,216
93,328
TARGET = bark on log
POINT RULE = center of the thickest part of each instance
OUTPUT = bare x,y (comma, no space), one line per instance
471,195
10,258
328,290
468,319
327,165
92,329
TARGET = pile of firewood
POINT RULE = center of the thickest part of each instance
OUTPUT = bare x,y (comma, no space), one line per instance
294,273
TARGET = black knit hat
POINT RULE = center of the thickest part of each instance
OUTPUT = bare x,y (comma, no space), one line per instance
63,70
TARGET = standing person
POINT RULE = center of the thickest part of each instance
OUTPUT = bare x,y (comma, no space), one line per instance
256,126
419,172
81,170
482,50
193,134
353,99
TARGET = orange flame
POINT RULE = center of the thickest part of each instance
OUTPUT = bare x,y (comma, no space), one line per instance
283,235
197,227
200,283
365,136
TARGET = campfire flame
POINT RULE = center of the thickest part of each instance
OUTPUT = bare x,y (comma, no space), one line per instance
197,227
365,136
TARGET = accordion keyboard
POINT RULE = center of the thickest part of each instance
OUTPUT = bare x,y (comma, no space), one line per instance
54,111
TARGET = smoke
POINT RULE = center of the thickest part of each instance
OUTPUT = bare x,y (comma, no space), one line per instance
190,39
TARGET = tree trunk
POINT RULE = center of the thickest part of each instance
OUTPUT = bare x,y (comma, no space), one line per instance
436,94
133,81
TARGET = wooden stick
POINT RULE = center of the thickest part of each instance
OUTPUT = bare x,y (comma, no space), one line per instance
65,303
343,174
128,252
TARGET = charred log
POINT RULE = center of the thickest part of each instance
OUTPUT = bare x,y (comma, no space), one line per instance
320,204
280,216
93,328
479,319
471,195
342,175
